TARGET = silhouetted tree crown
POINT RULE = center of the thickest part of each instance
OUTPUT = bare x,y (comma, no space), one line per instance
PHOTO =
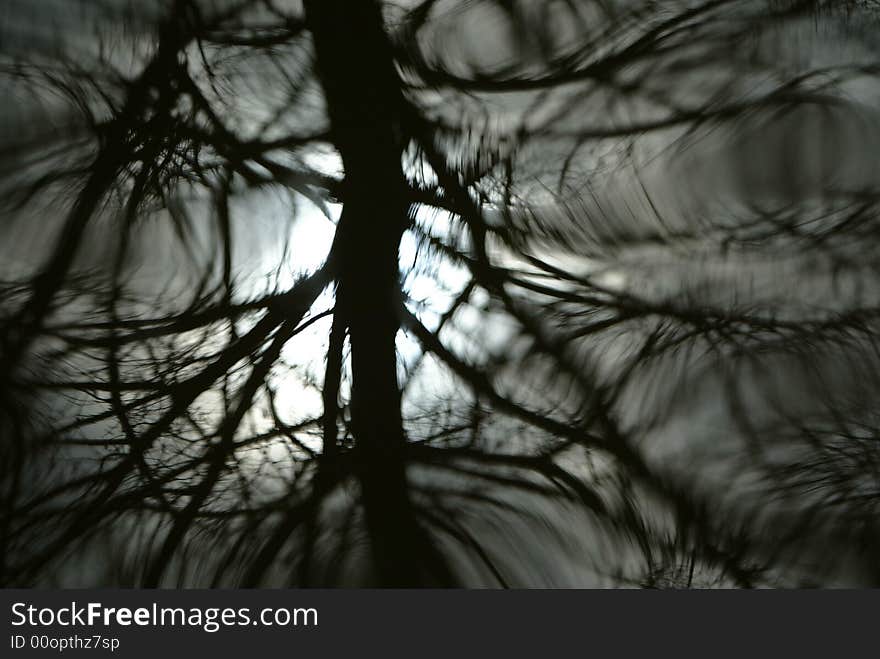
439,293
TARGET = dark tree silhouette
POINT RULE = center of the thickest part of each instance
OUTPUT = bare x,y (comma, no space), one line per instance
439,293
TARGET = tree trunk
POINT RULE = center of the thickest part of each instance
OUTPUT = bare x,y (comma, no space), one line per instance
365,104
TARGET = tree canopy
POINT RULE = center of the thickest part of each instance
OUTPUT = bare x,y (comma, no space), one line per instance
439,293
